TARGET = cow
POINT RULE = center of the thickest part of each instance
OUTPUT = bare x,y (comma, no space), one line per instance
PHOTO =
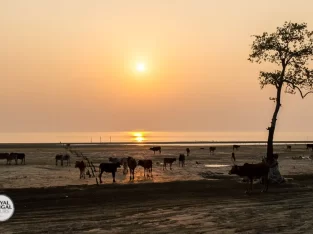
252,171
156,148
181,160
67,158
236,147
61,157
132,164
212,149
147,165
168,161
4,156
108,168
82,167
308,146
20,156
10,157
288,147
187,151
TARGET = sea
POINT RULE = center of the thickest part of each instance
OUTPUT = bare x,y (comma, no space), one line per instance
148,136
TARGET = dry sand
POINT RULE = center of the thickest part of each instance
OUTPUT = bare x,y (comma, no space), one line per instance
193,199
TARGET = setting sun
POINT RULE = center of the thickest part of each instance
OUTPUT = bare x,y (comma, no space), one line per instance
138,137
140,67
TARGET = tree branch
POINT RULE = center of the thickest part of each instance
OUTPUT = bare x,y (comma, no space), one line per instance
296,87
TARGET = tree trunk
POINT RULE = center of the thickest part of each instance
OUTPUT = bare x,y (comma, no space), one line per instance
271,129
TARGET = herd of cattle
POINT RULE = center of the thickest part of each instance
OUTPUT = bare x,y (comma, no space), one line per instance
13,157
251,171
130,164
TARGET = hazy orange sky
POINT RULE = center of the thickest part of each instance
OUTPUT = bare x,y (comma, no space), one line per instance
70,65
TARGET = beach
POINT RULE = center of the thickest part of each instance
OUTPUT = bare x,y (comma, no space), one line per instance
199,198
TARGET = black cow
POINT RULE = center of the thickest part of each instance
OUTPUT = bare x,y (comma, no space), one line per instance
132,164
181,160
236,147
308,146
156,148
252,171
61,157
288,147
4,156
212,149
108,168
20,156
168,161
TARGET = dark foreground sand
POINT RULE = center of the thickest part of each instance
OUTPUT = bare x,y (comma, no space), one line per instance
203,206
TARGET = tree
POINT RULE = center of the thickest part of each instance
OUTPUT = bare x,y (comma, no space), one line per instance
290,49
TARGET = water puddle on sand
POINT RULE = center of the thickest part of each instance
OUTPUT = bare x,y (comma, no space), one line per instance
216,165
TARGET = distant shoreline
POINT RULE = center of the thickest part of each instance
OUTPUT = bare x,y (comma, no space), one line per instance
193,143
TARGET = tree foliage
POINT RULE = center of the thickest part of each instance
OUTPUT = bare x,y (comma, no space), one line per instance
291,49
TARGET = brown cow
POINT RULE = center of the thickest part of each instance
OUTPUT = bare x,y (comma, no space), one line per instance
181,160
252,171
147,165
4,156
81,166
132,164
10,157
168,161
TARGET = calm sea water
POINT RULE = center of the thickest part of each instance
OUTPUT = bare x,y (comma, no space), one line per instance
96,137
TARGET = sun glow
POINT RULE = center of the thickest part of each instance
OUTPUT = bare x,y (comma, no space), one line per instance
139,137
140,67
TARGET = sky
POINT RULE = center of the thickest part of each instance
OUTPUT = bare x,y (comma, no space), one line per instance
69,66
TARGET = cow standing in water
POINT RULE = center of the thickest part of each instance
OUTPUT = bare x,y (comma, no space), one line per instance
187,151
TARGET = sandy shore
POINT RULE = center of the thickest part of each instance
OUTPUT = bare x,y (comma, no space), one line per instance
194,199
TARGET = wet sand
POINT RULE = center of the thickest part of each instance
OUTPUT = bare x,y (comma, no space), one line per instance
194,199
